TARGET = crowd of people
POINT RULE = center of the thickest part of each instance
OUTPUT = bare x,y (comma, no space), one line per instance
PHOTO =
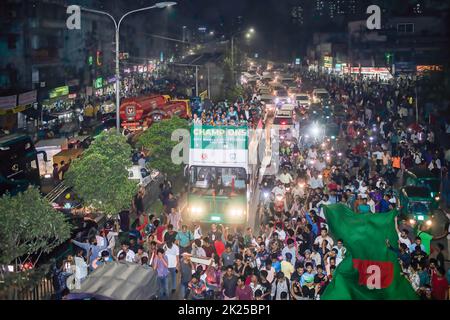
240,113
291,255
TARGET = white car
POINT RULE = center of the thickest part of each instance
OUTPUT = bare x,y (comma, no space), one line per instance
283,120
302,100
282,97
141,175
320,95
287,107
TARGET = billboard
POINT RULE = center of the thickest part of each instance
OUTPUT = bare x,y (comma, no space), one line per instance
59,92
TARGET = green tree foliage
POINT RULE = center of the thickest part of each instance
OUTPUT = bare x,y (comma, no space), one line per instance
229,90
157,140
29,226
100,176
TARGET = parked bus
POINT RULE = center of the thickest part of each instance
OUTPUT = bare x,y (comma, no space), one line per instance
19,167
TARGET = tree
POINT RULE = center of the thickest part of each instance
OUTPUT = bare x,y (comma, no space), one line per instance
29,226
230,91
157,140
100,176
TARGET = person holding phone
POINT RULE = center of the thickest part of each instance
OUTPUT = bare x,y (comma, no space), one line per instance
161,265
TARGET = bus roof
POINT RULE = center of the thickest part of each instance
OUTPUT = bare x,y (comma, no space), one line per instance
420,173
12,138
416,192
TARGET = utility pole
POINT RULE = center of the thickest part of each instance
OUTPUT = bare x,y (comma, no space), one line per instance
417,104
196,81
209,86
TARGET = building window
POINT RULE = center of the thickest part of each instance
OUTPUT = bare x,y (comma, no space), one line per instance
35,42
405,27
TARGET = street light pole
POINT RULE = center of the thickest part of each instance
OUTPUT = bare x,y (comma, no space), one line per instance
196,81
159,5
209,87
249,33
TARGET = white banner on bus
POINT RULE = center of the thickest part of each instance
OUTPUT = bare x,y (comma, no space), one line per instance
236,158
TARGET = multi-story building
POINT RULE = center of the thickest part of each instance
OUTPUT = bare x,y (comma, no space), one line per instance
416,39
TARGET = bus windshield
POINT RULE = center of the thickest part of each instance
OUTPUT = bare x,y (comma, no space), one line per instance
18,164
217,181
432,184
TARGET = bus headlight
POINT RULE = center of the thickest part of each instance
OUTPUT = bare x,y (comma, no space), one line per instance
196,210
236,212
437,198
266,195
429,222
412,221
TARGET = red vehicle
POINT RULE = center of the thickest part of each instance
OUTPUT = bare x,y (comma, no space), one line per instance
179,108
134,112
139,113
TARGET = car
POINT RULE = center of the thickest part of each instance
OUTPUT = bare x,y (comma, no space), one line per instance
282,97
288,106
424,177
141,175
302,100
416,205
267,99
264,91
283,119
320,95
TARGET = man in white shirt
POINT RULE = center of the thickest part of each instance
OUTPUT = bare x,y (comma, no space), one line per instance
285,177
324,202
172,253
279,189
403,238
129,253
363,188
312,153
175,219
315,181
141,161
197,232
324,236
281,233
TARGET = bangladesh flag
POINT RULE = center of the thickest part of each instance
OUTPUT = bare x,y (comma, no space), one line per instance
370,271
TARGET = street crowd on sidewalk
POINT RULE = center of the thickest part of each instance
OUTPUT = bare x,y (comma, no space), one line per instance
291,255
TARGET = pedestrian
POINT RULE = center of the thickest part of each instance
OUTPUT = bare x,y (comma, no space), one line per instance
280,285
186,271
172,253
243,291
229,284
160,264
92,249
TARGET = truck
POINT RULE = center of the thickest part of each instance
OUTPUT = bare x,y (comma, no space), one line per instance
220,174
141,112
423,177
416,204
134,112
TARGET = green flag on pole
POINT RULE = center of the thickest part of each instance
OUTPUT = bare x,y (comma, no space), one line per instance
369,271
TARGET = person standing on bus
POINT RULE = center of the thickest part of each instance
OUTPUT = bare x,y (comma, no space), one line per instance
63,169
55,174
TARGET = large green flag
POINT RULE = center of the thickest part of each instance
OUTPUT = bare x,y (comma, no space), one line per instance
370,271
